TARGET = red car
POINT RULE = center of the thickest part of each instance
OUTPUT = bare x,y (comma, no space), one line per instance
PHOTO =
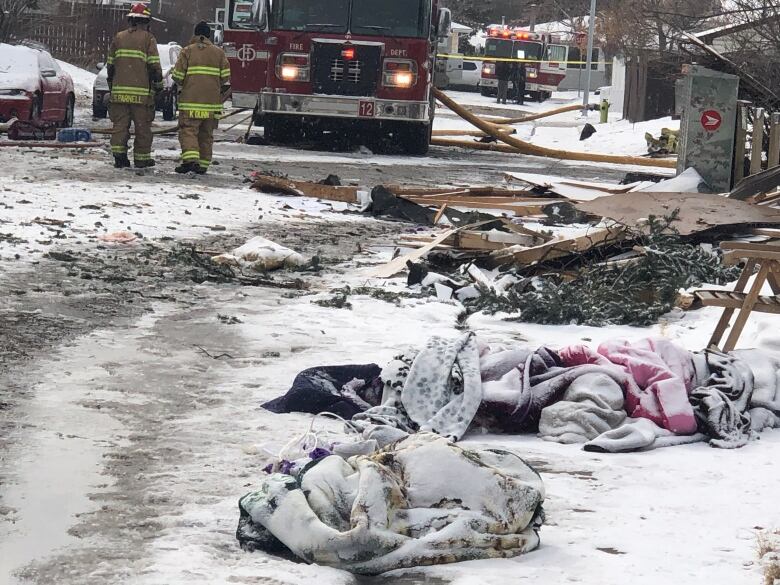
33,87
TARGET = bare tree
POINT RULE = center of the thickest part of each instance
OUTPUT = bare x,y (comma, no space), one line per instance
639,26
12,14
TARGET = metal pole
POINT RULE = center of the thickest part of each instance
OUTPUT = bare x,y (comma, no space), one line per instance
589,59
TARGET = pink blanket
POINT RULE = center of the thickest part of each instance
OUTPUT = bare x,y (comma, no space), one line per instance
658,376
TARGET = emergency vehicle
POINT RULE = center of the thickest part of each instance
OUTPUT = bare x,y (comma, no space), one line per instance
544,56
310,66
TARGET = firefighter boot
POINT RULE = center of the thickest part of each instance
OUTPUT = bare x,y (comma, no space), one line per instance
121,161
187,167
144,164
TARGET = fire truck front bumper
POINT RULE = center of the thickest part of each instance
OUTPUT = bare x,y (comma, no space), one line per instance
330,106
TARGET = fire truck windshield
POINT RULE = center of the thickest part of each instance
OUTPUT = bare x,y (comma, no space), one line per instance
513,49
400,18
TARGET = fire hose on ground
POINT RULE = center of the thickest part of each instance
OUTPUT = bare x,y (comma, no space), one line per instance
521,147
504,124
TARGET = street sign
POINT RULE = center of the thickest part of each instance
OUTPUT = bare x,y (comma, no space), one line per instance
711,120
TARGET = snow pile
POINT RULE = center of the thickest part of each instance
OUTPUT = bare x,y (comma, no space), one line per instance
18,68
83,81
261,254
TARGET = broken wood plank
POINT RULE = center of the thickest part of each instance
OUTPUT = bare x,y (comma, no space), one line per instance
401,191
770,232
283,186
519,229
439,214
559,248
399,264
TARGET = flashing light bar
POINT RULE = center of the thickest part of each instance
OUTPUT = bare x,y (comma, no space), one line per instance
513,34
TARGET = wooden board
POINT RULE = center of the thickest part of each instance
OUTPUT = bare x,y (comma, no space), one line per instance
399,264
403,191
698,212
732,300
279,185
559,248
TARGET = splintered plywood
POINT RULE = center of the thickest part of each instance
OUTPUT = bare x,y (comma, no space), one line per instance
698,212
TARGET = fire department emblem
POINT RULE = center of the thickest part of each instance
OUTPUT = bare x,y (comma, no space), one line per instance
246,54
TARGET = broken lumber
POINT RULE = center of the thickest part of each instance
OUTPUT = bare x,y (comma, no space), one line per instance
401,191
534,150
558,248
398,264
283,186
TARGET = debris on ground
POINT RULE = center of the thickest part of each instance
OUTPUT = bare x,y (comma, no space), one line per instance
558,251
261,255
123,237
202,268
665,144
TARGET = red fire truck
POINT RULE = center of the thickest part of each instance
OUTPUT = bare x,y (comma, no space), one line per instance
544,56
353,66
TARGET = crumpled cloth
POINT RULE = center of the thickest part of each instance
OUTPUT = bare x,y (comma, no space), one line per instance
439,390
421,501
591,406
765,401
520,383
342,390
658,375
638,434
721,400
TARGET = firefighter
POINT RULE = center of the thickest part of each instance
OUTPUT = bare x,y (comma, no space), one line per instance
203,75
518,81
134,78
503,73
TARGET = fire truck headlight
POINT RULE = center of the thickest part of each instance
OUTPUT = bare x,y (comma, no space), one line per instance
403,79
290,72
293,67
400,73
532,74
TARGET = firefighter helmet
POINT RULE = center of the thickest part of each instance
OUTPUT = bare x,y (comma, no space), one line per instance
140,11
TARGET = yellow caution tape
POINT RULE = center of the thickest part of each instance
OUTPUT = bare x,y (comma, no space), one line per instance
510,60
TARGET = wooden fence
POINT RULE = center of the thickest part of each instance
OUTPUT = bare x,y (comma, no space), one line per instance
757,145
82,33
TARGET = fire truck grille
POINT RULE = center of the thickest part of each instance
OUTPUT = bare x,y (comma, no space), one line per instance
334,75
349,71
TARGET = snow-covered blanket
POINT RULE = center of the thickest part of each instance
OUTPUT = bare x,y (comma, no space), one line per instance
577,395
658,376
438,389
261,254
421,501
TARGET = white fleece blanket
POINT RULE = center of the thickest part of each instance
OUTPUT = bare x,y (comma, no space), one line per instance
421,501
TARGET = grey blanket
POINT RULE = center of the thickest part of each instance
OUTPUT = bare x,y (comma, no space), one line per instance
422,501
721,399
438,389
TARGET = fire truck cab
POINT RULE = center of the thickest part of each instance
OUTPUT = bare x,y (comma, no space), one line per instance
543,54
310,66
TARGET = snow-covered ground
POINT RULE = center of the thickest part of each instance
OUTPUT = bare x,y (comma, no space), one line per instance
124,448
